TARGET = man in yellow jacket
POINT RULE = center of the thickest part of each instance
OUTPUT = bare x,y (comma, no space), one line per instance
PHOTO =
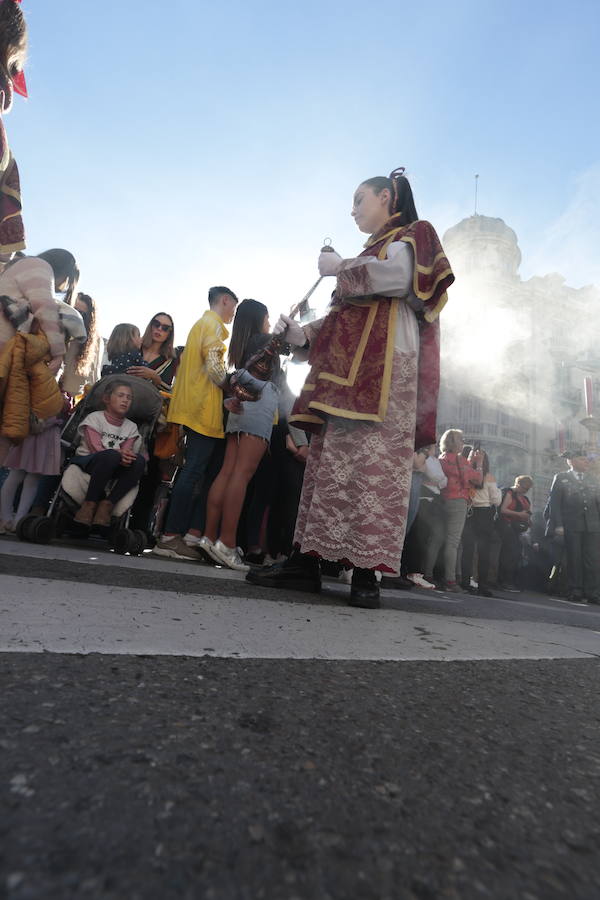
197,404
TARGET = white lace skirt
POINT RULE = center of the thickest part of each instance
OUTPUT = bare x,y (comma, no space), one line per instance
354,502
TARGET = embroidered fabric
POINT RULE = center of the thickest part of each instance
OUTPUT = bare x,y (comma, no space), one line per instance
354,502
367,275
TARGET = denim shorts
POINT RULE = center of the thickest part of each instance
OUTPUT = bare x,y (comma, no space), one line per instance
257,417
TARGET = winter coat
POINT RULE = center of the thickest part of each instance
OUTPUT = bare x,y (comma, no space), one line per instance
27,385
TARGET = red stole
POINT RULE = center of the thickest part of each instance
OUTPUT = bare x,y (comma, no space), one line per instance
12,232
351,358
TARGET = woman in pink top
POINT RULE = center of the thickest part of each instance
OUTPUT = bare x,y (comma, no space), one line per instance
463,476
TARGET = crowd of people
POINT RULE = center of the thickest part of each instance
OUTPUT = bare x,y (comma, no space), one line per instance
281,488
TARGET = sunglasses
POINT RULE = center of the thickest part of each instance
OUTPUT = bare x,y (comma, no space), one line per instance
156,324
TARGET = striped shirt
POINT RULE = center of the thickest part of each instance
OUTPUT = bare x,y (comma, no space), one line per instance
32,279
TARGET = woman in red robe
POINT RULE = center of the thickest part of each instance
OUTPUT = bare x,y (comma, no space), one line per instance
371,394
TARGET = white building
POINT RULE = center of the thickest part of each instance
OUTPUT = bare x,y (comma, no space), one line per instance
514,355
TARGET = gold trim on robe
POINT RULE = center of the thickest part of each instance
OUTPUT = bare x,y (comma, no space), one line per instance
351,359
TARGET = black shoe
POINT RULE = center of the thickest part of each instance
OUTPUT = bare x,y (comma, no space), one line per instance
398,583
255,559
576,598
364,590
595,599
482,592
298,573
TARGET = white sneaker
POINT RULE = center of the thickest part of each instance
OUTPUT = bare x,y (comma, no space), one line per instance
226,556
192,540
421,581
204,549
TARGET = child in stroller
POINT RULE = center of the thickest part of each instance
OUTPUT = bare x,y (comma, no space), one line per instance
108,452
119,410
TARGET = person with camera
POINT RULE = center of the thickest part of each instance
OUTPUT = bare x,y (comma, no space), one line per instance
514,520
462,475
479,528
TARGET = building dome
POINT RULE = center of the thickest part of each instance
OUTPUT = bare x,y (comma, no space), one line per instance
484,246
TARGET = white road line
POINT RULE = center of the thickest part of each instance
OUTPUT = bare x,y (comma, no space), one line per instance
66,617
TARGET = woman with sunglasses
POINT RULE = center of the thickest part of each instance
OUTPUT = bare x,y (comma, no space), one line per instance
157,350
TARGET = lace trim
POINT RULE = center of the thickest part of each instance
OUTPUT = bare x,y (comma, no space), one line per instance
356,490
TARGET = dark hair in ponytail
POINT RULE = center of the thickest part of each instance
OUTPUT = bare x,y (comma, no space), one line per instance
248,322
401,196
61,262
13,41
86,355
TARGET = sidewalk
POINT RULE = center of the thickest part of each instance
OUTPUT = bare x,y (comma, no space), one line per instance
83,600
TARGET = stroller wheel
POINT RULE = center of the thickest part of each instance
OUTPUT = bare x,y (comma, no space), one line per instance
141,542
124,541
23,529
42,530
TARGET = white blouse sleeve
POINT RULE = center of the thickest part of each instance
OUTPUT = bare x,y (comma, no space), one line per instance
435,473
367,275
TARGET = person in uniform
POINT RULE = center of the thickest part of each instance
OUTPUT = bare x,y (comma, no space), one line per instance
574,514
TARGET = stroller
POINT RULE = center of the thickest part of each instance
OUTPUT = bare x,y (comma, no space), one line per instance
144,411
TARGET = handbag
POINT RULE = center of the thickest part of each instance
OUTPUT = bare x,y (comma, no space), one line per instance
167,442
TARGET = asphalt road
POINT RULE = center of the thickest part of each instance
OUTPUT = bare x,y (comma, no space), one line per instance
153,776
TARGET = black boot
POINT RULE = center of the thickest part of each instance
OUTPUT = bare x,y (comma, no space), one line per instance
364,591
301,572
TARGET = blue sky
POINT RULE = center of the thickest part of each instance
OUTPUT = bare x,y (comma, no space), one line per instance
175,145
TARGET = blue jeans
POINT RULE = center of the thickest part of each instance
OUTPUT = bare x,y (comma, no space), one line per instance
198,451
